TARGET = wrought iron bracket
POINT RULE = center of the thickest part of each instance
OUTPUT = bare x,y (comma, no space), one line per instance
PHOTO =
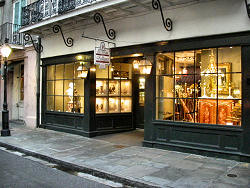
111,34
28,38
69,42
168,24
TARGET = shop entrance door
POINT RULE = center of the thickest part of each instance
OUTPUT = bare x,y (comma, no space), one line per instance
139,98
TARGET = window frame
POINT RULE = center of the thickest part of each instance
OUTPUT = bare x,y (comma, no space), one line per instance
194,124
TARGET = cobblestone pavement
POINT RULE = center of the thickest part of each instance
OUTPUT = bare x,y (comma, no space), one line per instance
154,167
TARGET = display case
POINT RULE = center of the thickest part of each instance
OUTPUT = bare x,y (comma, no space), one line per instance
126,104
126,88
114,88
101,105
101,88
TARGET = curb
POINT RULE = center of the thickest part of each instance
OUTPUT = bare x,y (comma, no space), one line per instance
87,170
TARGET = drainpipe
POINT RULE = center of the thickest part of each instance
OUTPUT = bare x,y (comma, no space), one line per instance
38,82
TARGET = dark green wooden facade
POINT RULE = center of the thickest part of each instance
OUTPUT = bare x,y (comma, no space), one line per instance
213,140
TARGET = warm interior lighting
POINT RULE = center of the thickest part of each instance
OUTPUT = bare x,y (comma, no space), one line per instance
137,55
6,50
136,64
143,66
79,57
93,69
82,71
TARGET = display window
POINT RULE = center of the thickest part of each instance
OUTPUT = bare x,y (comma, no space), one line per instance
200,86
65,90
114,88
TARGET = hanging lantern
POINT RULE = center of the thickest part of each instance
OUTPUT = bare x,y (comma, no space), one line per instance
142,66
82,71
136,64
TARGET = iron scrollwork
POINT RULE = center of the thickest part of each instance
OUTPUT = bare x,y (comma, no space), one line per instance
69,42
111,34
168,24
28,38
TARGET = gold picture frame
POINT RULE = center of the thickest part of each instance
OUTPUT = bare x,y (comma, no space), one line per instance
224,78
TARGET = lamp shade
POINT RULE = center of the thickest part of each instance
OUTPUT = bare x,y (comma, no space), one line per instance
6,50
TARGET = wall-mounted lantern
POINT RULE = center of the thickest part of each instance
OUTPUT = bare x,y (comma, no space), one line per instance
82,70
248,7
142,66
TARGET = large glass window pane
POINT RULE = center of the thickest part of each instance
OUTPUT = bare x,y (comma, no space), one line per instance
101,88
114,88
59,103
78,104
79,87
165,64
101,105
207,85
59,71
165,86
115,71
50,103
51,72
69,87
184,86
102,73
59,87
184,110
50,87
165,109
229,59
207,111
184,62
69,71
206,61
126,88
114,105
126,71
126,104
68,104
229,112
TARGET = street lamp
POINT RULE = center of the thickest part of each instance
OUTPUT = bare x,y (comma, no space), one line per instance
5,52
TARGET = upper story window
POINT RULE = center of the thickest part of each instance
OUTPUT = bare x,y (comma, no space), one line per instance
200,86
17,10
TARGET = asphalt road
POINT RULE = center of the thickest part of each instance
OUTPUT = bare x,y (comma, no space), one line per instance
18,172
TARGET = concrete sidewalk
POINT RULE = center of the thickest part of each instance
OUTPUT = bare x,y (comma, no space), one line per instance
131,165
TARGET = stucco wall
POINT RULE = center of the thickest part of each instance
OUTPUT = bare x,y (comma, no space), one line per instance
203,19
30,87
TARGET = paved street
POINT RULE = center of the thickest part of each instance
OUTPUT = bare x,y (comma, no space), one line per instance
18,172
133,165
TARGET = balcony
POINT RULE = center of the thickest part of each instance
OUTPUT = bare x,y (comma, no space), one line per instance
11,32
38,17
44,9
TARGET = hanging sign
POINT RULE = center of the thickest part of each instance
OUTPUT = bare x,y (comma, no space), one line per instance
102,56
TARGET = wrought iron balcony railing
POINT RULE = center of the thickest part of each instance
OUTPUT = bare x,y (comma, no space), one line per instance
11,32
43,9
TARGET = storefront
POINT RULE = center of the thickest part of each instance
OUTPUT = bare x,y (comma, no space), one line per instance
80,97
196,95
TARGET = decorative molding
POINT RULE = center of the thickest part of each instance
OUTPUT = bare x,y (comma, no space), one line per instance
111,34
168,24
69,42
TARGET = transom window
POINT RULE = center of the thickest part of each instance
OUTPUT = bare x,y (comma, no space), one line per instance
200,86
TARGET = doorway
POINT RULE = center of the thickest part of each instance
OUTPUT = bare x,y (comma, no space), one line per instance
139,100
